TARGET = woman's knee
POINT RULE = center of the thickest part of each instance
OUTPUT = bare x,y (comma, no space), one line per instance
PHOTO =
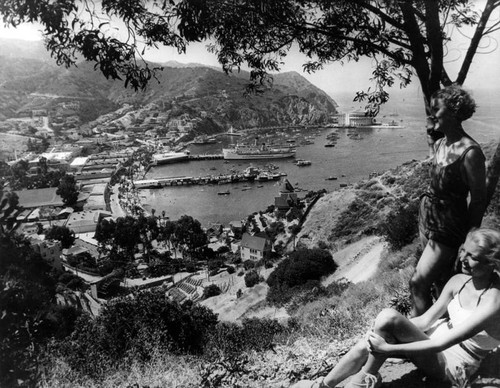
386,320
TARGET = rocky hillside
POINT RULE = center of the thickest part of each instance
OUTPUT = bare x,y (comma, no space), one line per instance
35,82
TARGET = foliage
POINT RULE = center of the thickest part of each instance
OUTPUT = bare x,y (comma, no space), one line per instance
401,225
62,234
67,190
248,264
211,290
402,38
294,272
302,265
353,219
30,316
231,339
131,328
251,278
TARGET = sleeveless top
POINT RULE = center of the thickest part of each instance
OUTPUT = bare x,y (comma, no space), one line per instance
447,182
480,344
443,213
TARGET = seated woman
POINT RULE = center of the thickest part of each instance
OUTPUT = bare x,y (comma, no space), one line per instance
442,348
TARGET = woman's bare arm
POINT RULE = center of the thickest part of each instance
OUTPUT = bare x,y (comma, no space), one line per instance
475,171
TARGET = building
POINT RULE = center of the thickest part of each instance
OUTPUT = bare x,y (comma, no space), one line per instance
254,247
85,221
355,119
287,198
50,250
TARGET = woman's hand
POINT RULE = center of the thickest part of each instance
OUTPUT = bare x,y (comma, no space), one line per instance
376,343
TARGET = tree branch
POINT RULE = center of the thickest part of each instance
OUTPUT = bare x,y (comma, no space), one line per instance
383,16
435,41
374,46
476,38
419,60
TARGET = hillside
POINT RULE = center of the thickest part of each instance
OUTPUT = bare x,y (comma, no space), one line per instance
324,324
29,82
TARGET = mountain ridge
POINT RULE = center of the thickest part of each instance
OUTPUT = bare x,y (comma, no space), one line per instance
199,89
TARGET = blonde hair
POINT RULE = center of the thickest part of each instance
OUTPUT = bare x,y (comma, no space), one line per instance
457,100
488,240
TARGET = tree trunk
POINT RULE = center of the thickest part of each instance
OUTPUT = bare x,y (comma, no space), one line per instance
492,175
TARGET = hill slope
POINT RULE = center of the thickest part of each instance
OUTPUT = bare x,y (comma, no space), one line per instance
36,83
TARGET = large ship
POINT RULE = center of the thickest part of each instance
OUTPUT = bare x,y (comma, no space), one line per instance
169,157
242,151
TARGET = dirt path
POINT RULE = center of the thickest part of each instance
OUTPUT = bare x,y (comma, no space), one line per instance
358,261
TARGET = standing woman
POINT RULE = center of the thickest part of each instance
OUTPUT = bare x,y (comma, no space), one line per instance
456,199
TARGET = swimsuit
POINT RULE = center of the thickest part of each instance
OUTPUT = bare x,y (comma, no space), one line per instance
464,358
443,215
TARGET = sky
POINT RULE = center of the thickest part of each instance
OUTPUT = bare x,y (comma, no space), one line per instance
334,78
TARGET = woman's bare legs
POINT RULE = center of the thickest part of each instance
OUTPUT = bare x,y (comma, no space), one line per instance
394,328
434,264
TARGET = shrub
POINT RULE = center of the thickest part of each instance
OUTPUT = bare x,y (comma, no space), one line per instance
231,339
230,269
303,265
130,329
248,264
251,278
211,290
294,273
401,225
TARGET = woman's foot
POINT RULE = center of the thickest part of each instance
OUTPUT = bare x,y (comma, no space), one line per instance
364,380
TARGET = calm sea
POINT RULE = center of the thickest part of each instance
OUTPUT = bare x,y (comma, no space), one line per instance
350,160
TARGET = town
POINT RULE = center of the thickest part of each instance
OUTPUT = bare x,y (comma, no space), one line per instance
74,196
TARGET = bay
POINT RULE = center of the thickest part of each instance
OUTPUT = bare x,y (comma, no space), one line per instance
351,160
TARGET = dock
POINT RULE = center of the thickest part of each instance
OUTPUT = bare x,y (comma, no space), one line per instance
206,157
202,180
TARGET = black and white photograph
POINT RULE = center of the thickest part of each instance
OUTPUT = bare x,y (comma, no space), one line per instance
250,193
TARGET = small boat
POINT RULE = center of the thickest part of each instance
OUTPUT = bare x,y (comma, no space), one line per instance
343,185
330,145
227,192
331,178
302,163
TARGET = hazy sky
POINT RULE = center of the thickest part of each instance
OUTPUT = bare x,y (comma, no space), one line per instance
334,78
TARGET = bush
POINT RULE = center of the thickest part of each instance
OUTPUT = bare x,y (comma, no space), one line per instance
251,278
230,269
301,267
231,339
248,264
131,329
211,290
401,225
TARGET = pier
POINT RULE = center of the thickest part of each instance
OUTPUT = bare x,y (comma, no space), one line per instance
206,157
205,180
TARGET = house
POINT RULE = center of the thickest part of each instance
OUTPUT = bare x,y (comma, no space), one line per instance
254,247
287,198
50,250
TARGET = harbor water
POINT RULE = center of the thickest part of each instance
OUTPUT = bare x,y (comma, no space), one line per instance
352,159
